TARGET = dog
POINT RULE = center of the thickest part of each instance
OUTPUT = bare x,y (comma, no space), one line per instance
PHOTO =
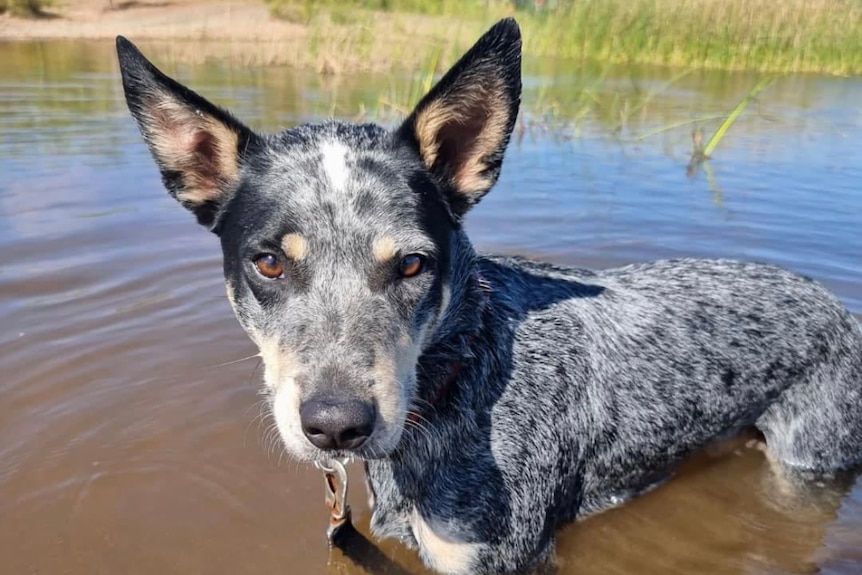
491,398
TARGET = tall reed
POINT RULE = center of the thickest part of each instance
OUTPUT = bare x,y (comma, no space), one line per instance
764,35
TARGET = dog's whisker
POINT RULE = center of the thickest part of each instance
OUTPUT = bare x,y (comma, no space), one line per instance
375,453
419,425
254,370
256,419
271,438
416,414
235,361
420,403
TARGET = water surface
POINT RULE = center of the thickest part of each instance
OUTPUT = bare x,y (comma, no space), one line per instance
131,443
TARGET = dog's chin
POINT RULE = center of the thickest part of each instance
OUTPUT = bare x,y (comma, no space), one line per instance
300,449
369,453
364,453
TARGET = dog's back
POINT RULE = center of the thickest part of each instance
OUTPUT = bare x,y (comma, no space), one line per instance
637,367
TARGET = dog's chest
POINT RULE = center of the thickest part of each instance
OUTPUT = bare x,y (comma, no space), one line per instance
398,515
391,508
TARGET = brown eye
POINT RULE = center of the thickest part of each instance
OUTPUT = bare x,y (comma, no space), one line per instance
269,266
411,265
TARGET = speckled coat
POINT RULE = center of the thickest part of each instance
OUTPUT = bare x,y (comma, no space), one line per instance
346,261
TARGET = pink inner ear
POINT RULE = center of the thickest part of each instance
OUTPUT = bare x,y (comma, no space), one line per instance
465,142
202,150
458,141
460,129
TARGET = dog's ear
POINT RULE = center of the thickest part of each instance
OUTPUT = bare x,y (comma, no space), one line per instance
197,145
462,126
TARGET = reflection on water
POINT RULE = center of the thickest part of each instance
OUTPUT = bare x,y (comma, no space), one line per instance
130,446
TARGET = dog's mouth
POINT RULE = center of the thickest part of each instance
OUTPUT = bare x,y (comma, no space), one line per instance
364,453
371,449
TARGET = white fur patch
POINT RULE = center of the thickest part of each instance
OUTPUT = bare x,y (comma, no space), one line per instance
231,296
280,370
442,554
285,408
335,164
271,355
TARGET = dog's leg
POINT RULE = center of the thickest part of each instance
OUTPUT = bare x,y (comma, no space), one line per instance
816,425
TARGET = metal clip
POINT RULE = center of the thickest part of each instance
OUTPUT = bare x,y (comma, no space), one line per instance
335,484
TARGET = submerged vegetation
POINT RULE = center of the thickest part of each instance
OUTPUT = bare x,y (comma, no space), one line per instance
763,35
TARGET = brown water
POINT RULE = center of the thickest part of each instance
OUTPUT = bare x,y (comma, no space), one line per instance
132,441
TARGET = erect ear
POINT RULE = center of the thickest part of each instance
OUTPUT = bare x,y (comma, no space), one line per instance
197,145
462,126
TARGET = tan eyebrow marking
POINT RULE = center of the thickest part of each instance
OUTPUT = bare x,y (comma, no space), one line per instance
295,246
384,248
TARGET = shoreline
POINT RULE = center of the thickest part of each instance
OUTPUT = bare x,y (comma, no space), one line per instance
242,32
343,39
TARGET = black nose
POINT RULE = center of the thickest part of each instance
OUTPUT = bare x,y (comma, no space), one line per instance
330,424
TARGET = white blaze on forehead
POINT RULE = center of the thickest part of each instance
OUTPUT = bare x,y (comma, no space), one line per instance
335,164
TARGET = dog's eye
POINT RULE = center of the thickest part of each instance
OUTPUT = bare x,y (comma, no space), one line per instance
269,266
411,265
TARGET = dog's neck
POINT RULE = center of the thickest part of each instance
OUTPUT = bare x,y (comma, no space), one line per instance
451,344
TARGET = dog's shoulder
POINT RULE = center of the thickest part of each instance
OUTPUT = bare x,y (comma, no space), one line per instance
526,283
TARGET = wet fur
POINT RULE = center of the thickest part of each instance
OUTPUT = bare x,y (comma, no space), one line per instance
577,390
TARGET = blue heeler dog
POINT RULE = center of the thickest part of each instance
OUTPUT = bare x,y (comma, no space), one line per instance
492,398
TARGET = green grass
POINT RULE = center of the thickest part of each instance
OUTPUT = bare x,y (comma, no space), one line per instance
764,35
701,154
722,129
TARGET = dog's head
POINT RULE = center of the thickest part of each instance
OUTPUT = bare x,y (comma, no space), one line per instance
338,239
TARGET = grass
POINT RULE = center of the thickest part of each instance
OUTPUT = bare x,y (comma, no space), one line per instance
357,35
560,104
764,35
700,153
25,8
722,129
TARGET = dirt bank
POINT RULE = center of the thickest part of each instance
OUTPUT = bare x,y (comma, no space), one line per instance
153,19
244,33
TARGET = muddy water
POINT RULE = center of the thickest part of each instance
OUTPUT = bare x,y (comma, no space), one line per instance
131,436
